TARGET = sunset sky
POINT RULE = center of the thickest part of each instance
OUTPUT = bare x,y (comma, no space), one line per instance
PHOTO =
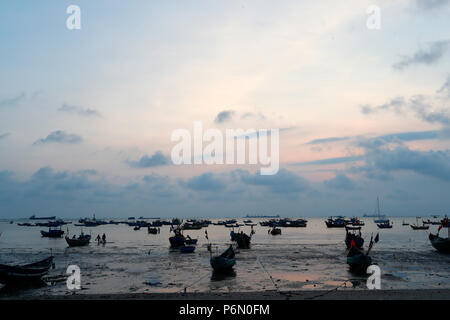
86,116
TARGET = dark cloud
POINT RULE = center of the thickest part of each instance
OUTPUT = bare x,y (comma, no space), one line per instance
284,181
340,182
79,111
383,158
224,116
395,104
4,135
156,160
59,136
206,182
434,52
14,101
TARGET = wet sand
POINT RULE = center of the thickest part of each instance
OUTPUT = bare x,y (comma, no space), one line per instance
421,294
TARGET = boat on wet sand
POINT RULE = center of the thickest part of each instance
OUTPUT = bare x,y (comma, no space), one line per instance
225,261
417,227
80,241
440,244
52,233
25,273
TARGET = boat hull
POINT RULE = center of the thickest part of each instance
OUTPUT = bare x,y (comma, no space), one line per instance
25,273
440,244
78,242
221,264
359,263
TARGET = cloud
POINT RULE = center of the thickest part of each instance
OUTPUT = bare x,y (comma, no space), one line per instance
205,182
327,140
79,111
434,52
156,160
284,181
396,104
431,4
14,101
258,116
340,182
4,135
224,116
329,161
445,89
59,136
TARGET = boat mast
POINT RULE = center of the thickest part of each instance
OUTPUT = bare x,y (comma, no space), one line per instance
378,208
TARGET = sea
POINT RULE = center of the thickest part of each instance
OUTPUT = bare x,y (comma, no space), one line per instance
311,258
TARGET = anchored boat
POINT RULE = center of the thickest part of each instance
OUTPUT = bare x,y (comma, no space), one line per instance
25,273
225,261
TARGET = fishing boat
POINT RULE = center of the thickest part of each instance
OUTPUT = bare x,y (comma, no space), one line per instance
357,239
275,231
356,222
225,261
33,217
190,241
136,228
233,235
187,249
440,244
335,223
80,241
384,225
152,230
352,228
178,239
358,262
417,227
243,240
380,216
25,273
52,233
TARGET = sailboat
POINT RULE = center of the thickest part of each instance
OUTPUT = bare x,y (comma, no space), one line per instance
380,220
417,227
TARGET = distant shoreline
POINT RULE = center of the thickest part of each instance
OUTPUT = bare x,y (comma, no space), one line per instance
405,294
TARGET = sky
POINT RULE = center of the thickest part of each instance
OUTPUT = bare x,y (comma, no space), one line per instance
86,115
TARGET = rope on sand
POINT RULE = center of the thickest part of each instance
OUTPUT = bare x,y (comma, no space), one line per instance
344,284
195,282
270,277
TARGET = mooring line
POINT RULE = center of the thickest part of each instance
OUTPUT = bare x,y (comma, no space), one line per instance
270,277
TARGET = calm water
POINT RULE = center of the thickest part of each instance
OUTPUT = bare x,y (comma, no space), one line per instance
301,258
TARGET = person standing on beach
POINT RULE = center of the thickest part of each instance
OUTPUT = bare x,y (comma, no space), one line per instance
98,238
104,238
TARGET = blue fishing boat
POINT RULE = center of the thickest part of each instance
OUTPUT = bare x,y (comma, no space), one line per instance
225,261
385,225
187,249
52,233
178,239
359,262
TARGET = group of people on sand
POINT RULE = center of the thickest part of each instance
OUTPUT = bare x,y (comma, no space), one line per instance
102,239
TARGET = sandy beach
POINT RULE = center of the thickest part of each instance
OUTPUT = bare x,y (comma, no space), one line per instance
421,294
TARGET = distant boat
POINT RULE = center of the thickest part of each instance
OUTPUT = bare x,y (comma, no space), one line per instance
275,231
380,220
417,227
225,261
33,217
25,273
152,230
405,223
52,233
82,240
384,225
335,223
